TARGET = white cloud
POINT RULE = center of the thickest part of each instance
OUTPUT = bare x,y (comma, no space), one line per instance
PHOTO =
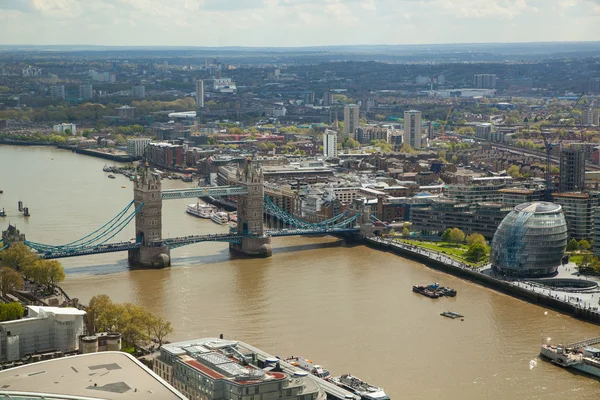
294,22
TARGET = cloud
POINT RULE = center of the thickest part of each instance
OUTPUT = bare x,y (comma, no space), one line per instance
294,22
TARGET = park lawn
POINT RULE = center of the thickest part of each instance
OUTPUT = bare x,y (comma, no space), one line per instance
453,250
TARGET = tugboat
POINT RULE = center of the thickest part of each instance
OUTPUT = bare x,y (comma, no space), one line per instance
308,366
365,390
111,176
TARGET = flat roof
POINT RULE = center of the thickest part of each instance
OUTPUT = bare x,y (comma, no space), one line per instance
106,375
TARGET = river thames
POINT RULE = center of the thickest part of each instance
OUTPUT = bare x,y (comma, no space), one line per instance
349,308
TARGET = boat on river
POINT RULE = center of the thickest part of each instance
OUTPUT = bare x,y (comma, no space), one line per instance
201,210
357,386
220,217
580,356
111,176
308,366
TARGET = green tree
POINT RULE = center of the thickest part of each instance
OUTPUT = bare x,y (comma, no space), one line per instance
212,140
407,148
235,131
514,171
584,245
405,232
10,280
573,245
475,238
379,117
45,272
18,256
11,311
446,235
477,251
159,329
456,236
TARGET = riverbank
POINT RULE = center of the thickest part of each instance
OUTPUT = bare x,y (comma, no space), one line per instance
125,158
565,301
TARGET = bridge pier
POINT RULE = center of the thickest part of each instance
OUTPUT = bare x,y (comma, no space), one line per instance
148,223
251,208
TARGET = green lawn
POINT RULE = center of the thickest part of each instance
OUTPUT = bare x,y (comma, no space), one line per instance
453,250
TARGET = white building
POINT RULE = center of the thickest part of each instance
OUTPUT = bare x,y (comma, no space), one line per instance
138,91
590,116
45,329
484,81
61,128
224,85
199,93
412,128
351,119
136,147
441,79
57,92
330,143
483,131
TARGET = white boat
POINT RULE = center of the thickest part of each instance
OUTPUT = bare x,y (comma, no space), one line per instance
585,359
201,210
220,217
363,389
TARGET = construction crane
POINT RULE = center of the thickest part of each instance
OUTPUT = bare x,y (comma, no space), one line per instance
445,122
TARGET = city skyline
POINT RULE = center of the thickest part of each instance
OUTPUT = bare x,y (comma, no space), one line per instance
307,23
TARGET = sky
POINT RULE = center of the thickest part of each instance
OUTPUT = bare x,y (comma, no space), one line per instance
290,23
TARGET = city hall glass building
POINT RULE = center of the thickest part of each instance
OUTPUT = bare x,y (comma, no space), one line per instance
530,241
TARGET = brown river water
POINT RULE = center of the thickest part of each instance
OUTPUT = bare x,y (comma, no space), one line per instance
349,308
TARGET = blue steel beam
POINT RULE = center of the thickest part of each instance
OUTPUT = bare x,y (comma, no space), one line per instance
214,191
185,240
105,248
303,232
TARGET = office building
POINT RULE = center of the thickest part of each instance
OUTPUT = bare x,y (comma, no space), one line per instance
126,112
164,154
530,241
86,91
484,81
441,79
365,134
137,147
330,143
112,375
596,236
199,93
590,116
309,97
138,91
57,92
578,209
65,128
327,99
572,170
351,119
483,131
44,329
412,128
217,369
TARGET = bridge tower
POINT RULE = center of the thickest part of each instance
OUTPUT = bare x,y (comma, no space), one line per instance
251,208
148,222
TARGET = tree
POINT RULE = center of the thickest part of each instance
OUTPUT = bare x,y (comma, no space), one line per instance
18,256
573,245
45,272
477,251
514,171
211,140
10,280
160,329
96,307
405,232
475,238
11,311
584,245
406,148
456,236
446,235
379,117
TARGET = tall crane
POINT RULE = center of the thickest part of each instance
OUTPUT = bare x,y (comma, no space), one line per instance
445,122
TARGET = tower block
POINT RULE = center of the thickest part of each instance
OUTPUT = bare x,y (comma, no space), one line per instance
250,214
148,222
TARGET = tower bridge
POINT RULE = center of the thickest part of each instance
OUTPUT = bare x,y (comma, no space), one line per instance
150,249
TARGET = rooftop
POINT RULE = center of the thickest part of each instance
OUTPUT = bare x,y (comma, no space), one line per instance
538,207
106,375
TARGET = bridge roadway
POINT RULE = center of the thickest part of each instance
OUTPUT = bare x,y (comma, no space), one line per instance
300,232
105,248
184,240
331,389
214,191
583,343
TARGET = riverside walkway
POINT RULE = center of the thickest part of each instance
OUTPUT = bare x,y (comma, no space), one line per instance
584,300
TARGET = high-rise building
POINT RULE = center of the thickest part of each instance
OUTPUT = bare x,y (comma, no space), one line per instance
327,98
365,134
136,147
484,81
412,128
57,92
330,143
138,91
572,170
351,119
86,91
309,97
441,79
65,128
590,116
483,131
200,93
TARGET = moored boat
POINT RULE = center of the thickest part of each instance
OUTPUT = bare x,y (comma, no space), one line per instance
201,210
233,216
357,386
220,217
111,176
582,357
308,366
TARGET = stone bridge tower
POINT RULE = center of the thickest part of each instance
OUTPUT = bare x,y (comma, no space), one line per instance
251,208
148,222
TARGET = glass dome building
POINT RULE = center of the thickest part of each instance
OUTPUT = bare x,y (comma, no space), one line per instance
530,240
